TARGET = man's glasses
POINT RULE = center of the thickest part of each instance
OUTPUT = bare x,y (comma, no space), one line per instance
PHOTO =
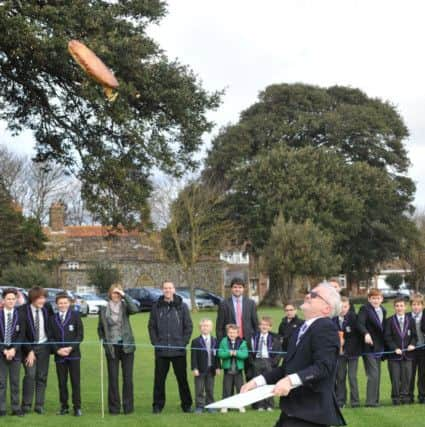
314,294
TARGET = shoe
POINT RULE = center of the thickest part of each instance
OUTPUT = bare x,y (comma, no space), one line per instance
77,413
223,410
187,410
396,402
156,410
242,410
355,405
39,410
2,413
260,409
63,411
270,409
18,413
212,411
372,405
26,409
199,410
421,400
128,411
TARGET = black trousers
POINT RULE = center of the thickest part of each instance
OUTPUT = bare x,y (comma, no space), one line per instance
260,367
9,369
232,383
127,363
35,378
285,421
204,389
400,375
162,366
418,372
64,368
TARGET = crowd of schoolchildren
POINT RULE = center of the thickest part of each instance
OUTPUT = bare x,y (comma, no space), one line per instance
370,334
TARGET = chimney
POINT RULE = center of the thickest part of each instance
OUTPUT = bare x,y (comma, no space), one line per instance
57,216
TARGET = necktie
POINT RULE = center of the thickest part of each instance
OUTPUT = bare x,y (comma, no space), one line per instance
239,317
37,325
8,334
341,323
233,360
401,321
260,348
62,318
208,346
380,314
302,331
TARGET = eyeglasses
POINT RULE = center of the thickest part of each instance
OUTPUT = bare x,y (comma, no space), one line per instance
314,294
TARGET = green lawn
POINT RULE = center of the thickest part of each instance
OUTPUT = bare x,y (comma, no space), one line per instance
386,416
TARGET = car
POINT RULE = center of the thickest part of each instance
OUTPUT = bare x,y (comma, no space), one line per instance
205,294
201,300
145,296
78,304
94,302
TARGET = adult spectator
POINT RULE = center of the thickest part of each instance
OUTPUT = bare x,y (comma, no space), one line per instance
36,351
114,329
170,328
306,380
289,324
239,310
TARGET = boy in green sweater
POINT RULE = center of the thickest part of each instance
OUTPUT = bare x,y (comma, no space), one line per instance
233,351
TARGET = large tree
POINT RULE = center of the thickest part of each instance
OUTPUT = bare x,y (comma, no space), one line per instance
156,122
331,155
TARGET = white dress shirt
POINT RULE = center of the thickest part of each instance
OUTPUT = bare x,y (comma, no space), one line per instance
42,333
294,378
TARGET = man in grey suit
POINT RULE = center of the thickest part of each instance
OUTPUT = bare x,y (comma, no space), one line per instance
240,310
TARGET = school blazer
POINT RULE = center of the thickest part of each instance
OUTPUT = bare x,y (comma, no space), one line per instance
18,334
368,322
395,337
199,356
274,348
286,329
352,338
314,359
241,353
70,333
29,322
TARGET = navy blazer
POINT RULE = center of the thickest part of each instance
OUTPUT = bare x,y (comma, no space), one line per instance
314,359
27,317
395,337
70,333
18,333
368,323
287,328
352,338
274,348
199,356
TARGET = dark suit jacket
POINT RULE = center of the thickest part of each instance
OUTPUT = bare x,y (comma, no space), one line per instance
29,321
199,358
352,338
314,359
70,333
368,322
395,337
18,333
420,352
226,314
286,329
273,346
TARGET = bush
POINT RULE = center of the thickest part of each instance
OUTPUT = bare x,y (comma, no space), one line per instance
27,275
394,280
103,276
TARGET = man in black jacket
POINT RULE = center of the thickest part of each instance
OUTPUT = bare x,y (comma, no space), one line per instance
290,323
371,324
36,351
170,328
306,380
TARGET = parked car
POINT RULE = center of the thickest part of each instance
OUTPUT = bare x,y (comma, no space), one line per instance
78,303
94,302
134,300
145,296
205,294
202,300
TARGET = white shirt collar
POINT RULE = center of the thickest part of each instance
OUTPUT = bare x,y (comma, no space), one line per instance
206,336
309,322
7,311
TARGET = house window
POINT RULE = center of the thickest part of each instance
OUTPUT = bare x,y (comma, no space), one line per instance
73,265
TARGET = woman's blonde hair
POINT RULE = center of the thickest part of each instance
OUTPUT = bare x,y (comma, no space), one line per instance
114,286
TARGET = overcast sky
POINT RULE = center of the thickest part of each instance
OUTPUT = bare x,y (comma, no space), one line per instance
243,46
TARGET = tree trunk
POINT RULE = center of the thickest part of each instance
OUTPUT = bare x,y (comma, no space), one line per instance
281,290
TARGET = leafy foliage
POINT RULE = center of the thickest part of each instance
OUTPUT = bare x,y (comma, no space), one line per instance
103,276
156,122
394,280
27,276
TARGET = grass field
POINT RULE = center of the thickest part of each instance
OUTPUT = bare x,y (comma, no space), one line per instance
385,416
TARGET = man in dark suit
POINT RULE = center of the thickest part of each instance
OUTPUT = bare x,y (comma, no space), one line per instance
65,333
239,310
11,335
290,323
36,351
306,380
371,324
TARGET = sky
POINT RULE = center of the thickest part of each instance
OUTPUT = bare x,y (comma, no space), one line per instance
244,46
